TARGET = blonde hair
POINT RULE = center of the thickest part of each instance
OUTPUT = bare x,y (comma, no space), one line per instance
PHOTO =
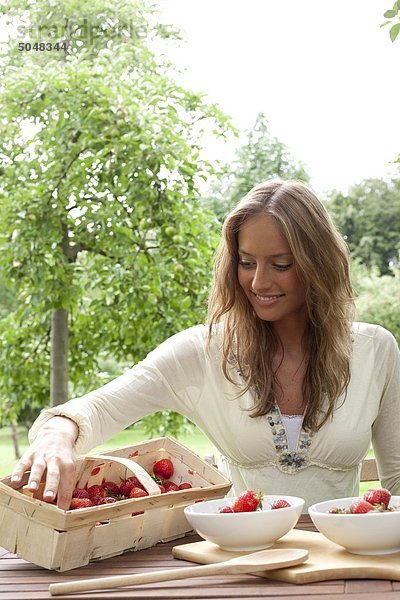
322,264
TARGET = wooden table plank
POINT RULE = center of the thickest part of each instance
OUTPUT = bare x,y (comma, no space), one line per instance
20,580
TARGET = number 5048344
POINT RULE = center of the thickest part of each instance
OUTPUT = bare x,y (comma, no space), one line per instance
42,46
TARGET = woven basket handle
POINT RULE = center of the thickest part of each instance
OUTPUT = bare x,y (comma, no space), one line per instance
148,482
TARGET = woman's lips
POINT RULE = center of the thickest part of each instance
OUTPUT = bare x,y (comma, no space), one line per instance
267,298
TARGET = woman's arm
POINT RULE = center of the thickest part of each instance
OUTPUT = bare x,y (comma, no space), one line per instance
386,428
171,377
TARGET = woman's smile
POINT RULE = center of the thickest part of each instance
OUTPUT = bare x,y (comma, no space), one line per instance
268,299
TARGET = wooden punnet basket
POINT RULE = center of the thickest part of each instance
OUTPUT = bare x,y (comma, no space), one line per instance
61,540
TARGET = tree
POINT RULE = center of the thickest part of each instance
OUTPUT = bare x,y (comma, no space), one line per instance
368,216
393,20
7,296
261,157
101,230
378,297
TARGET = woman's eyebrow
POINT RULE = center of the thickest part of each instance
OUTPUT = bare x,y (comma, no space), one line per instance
269,256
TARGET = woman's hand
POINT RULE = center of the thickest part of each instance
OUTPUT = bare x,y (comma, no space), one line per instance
52,451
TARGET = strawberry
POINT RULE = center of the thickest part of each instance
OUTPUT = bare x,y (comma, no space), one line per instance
247,501
137,492
126,487
360,507
378,497
163,468
280,504
80,503
334,510
162,489
108,500
170,486
111,488
225,509
185,486
96,491
135,481
80,493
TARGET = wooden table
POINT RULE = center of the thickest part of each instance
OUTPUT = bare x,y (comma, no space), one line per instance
20,580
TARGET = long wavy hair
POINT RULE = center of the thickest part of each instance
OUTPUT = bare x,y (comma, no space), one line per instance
322,263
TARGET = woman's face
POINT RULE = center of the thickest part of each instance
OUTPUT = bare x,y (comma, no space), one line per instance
267,273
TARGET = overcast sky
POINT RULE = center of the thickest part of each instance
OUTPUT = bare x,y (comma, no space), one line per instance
324,72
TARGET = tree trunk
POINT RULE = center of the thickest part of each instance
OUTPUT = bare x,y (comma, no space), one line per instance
59,357
14,431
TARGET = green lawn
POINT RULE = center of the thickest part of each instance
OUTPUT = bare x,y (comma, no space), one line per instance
196,441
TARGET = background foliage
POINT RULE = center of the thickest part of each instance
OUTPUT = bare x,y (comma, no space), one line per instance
261,156
392,17
369,218
101,159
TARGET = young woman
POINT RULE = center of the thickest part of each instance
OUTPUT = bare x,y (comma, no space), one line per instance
286,386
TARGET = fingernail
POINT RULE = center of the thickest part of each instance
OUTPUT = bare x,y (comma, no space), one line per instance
15,478
48,494
33,485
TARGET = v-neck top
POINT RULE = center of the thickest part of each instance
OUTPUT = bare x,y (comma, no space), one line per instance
292,425
258,453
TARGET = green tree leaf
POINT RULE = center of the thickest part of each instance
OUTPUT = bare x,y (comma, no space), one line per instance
394,31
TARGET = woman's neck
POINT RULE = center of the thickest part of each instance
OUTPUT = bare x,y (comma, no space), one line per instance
292,339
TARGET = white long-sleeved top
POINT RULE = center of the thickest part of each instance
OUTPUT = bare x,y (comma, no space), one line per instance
182,375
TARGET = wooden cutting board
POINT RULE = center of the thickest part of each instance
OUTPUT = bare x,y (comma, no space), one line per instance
326,560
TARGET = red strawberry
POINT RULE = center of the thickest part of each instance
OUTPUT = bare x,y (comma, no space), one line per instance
163,468
111,488
137,492
170,486
162,489
96,491
80,503
108,500
185,486
80,493
125,487
247,501
225,509
360,507
335,511
135,481
280,504
380,496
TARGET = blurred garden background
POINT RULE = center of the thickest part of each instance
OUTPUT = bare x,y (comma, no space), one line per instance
115,177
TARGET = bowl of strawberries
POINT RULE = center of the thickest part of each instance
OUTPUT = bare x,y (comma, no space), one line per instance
362,525
251,521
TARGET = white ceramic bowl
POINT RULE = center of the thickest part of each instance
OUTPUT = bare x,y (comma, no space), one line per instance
246,531
369,533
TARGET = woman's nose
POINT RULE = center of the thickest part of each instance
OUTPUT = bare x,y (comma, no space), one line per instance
261,279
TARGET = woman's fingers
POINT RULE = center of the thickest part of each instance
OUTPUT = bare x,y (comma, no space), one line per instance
24,464
60,480
49,459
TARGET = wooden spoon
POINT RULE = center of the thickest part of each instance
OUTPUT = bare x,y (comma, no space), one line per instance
249,563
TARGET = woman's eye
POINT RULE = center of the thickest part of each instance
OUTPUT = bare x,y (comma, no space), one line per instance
281,267
245,264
